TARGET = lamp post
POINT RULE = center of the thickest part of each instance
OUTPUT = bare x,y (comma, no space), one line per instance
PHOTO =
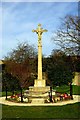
71,90
6,92
51,94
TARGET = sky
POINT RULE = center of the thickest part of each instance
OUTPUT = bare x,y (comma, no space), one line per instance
18,19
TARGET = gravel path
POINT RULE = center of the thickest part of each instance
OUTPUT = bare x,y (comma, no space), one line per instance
76,98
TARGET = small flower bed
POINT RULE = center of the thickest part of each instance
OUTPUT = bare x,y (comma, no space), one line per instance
17,98
14,98
58,97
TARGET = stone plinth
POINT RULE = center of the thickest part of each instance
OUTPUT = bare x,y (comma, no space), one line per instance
39,89
38,95
39,83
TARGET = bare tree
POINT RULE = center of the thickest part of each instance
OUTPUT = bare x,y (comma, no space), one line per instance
68,35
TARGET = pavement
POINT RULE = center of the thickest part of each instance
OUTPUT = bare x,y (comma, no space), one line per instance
76,98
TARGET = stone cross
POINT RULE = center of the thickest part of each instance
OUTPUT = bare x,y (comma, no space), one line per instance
39,31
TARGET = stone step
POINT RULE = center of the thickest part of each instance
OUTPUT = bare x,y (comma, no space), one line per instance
38,101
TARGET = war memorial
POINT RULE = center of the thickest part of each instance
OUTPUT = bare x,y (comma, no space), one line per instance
36,92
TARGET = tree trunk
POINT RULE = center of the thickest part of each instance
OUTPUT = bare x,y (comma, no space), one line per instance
12,91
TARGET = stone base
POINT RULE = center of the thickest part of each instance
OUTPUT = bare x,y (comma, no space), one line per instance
39,89
38,95
39,92
39,83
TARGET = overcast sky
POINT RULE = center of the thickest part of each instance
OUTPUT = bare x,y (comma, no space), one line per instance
19,18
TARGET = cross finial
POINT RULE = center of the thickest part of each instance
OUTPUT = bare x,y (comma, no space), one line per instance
39,31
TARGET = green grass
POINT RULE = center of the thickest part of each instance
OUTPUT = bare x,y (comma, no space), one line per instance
76,90
66,111
9,93
4,93
65,88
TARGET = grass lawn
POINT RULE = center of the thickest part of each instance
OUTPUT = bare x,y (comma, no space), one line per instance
66,111
8,93
66,88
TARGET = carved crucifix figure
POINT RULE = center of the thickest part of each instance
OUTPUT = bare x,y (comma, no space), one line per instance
39,31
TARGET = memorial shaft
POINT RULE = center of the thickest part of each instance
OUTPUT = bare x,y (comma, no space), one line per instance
39,61
39,31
